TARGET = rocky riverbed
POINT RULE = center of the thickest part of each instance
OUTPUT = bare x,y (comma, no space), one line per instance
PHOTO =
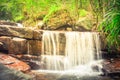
23,63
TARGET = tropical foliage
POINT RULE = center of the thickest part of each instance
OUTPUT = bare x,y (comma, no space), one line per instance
111,23
10,10
29,9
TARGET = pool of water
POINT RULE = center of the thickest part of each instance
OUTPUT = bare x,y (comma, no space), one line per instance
61,76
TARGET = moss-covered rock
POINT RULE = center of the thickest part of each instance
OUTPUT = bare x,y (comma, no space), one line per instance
85,23
60,19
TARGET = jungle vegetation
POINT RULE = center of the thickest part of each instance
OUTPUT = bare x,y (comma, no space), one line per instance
106,13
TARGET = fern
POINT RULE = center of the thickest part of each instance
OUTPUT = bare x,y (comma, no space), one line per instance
111,24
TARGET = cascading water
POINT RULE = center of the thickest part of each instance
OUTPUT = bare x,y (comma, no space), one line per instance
64,51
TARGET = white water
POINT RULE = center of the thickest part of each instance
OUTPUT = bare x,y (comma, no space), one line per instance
81,50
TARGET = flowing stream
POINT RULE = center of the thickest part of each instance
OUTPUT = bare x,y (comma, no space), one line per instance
71,52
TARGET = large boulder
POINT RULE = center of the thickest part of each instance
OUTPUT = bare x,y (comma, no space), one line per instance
59,19
85,23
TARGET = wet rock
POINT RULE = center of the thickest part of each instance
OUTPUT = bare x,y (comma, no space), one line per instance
111,66
13,63
34,47
10,74
34,65
15,31
18,46
5,42
32,61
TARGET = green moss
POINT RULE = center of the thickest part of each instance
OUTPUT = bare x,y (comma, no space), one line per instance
52,10
82,12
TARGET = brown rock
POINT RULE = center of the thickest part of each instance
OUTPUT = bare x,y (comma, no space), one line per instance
34,47
3,22
37,34
16,31
1,46
111,66
18,46
5,41
13,63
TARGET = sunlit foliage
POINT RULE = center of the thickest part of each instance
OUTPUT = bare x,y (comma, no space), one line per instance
17,10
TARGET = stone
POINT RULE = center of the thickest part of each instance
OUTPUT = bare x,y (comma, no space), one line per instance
13,63
18,46
3,22
34,47
2,47
5,40
37,34
59,19
111,66
10,74
15,31
33,61
84,23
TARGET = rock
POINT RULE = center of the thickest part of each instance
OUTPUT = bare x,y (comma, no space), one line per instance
18,46
2,22
2,47
1,43
5,42
111,66
37,34
10,74
21,32
84,23
13,63
33,61
59,19
34,47
15,31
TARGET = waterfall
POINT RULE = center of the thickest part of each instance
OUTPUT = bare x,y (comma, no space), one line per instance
67,50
